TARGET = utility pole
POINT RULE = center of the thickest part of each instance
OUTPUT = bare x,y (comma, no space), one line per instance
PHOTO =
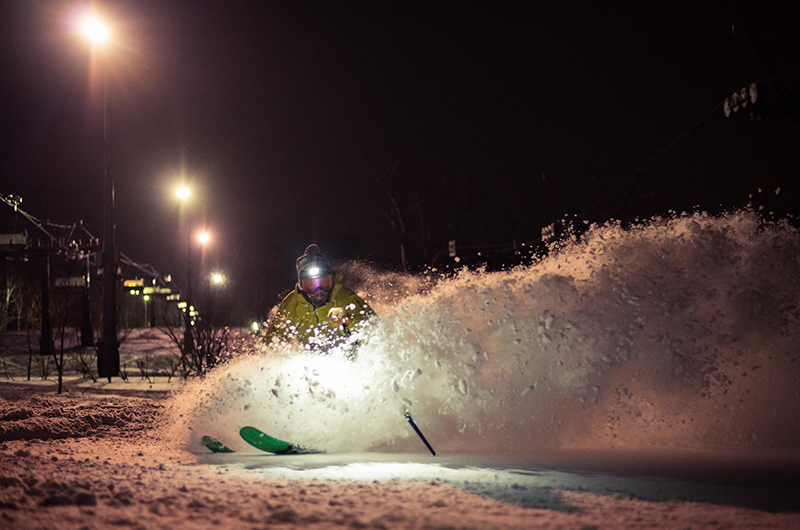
46,347
108,358
188,338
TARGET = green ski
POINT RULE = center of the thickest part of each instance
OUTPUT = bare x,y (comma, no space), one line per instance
265,442
215,446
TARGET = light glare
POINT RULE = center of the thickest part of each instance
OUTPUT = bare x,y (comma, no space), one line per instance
95,30
183,192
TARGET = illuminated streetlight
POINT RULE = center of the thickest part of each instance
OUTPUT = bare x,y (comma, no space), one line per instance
217,278
148,308
108,355
95,30
203,237
183,192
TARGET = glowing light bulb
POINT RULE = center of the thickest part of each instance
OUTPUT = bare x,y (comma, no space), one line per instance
95,30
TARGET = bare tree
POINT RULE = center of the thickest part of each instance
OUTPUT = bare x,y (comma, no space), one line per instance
210,344
64,305
33,304
455,208
12,294
6,370
396,218
84,359
175,335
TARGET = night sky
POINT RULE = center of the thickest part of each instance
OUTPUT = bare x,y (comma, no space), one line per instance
485,120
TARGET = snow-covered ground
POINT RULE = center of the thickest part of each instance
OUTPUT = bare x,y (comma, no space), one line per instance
639,379
84,461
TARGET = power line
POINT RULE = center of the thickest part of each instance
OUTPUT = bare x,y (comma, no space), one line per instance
13,202
10,200
638,172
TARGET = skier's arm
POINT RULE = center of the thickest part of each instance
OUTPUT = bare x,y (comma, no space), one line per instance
359,311
349,311
278,329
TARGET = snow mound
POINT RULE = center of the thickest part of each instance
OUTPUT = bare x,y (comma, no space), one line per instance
56,417
680,332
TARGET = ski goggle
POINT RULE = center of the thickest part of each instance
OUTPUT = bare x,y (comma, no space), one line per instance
310,285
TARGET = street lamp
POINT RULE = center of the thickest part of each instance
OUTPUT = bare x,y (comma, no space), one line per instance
183,193
147,322
108,356
203,238
216,283
95,30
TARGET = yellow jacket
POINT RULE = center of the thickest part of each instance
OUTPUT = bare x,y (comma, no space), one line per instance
297,319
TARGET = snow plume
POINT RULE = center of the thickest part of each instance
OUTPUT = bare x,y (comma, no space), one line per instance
678,333
384,289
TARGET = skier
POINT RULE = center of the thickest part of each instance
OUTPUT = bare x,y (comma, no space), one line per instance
321,312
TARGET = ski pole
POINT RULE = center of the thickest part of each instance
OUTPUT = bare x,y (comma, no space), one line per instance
419,433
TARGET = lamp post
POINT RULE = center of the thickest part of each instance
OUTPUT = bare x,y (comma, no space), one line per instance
203,238
216,281
108,356
183,193
147,322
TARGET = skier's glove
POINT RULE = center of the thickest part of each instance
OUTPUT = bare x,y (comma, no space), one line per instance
339,316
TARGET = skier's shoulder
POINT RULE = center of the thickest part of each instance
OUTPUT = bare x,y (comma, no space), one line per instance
291,300
344,294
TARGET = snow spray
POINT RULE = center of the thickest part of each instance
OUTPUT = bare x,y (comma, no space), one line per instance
681,332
